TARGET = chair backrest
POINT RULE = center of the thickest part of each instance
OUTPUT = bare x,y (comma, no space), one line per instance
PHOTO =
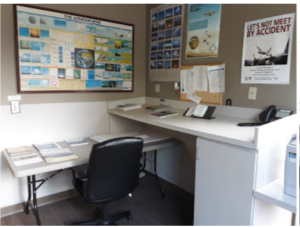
114,167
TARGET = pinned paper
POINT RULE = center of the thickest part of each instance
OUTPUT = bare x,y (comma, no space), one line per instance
216,78
194,98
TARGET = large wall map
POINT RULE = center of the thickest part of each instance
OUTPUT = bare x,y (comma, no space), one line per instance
64,52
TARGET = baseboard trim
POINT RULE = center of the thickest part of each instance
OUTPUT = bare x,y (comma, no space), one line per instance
5,211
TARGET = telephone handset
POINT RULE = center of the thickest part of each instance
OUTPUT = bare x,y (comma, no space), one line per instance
265,117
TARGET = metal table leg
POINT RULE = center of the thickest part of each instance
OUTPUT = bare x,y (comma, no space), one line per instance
35,207
154,161
31,182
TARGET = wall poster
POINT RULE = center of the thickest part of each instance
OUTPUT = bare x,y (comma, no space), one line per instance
203,30
267,50
166,42
63,52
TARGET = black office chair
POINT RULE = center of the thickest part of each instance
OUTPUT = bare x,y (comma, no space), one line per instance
113,172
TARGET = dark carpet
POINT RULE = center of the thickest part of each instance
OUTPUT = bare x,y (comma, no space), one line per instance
146,205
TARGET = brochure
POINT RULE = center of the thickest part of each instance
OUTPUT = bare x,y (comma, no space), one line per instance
158,108
129,106
16,151
163,114
58,155
26,159
76,142
47,146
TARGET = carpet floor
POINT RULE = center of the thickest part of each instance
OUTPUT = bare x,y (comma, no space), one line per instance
146,205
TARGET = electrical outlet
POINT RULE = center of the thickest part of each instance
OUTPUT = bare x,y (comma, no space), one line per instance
157,88
252,93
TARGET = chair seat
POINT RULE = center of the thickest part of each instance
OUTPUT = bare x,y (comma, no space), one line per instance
78,184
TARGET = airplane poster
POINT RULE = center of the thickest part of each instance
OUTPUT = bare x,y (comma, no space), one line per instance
267,50
203,30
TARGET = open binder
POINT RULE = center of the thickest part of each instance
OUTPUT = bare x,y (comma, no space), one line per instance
200,111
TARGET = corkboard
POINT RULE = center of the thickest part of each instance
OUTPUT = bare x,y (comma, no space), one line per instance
206,97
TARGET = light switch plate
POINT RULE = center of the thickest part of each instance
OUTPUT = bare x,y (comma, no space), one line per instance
15,107
252,93
157,88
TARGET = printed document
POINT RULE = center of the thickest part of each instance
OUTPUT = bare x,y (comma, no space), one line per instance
194,79
216,78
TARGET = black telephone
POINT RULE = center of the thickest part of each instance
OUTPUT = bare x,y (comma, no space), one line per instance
265,117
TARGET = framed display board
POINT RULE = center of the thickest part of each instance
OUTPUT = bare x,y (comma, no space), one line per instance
206,96
64,52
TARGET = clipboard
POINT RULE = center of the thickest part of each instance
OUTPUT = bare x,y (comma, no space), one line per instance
206,96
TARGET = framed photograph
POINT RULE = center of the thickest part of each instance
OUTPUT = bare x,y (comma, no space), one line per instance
58,51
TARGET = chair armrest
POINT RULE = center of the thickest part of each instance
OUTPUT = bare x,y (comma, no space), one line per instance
80,173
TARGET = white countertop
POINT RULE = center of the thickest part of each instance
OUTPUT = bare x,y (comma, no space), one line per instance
222,128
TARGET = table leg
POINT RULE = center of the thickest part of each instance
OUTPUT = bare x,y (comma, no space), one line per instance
32,181
26,209
35,207
154,160
162,190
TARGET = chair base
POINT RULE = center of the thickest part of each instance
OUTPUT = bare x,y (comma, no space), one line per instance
110,220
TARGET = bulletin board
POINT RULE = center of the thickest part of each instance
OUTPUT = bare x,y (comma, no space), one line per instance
206,97
64,52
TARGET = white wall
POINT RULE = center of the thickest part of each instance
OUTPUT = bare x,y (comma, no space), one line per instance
41,123
59,121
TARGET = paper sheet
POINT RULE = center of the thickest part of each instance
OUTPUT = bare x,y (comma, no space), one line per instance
194,79
200,80
186,80
216,78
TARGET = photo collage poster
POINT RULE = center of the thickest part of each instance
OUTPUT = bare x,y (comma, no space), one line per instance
166,42
267,50
64,52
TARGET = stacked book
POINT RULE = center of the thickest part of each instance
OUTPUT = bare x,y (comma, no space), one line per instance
52,152
23,155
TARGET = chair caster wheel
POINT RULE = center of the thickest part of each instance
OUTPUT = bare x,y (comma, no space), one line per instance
129,217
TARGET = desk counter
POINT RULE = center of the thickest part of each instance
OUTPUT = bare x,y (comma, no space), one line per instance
222,128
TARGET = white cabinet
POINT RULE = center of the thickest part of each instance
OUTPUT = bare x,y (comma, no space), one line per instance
223,184
227,178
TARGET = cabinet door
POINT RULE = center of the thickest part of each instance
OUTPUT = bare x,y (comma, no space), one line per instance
224,184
